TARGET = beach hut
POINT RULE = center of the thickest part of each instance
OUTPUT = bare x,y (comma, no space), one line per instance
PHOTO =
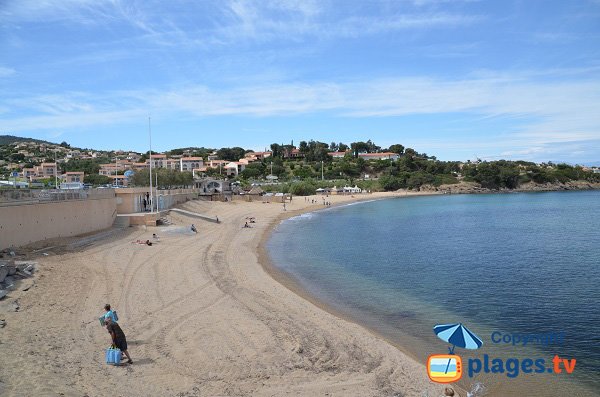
254,194
256,191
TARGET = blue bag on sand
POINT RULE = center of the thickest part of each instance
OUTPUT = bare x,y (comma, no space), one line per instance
113,356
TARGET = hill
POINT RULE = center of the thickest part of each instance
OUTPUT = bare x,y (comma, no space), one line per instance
6,139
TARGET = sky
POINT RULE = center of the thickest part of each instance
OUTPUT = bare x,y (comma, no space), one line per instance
458,79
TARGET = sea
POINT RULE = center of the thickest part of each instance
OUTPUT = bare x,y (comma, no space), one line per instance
510,267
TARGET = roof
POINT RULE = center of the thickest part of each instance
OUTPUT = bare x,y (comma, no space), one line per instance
378,154
192,159
256,190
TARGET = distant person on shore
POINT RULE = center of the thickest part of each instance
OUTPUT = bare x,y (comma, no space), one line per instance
155,237
246,225
118,337
148,242
145,204
193,228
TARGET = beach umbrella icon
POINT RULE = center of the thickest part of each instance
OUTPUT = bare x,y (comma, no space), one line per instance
457,335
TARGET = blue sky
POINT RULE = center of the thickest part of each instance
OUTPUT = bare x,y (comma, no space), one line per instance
458,79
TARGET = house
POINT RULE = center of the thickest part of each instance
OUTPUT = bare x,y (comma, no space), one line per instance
70,177
292,153
138,166
234,168
379,156
190,163
118,180
258,155
46,170
158,160
338,155
28,173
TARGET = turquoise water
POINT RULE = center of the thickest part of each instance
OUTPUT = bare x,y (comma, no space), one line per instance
524,263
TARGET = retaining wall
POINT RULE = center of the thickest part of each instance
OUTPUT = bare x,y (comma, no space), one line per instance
28,223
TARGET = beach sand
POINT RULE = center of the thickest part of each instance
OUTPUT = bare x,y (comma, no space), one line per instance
201,315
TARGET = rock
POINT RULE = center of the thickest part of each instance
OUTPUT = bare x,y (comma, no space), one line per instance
9,282
27,285
12,269
3,273
2,323
3,293
298,348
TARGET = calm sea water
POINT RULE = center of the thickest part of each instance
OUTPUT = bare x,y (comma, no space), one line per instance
513,263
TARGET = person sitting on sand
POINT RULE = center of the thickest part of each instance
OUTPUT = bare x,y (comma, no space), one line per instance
194,228
246,225
449,392
148,242
155,236
118,337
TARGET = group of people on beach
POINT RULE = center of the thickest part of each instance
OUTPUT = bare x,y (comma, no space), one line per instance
110,320
249,219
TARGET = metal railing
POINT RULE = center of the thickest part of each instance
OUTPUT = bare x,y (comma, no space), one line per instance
32,196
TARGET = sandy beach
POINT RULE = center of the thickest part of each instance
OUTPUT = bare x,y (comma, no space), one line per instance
201,315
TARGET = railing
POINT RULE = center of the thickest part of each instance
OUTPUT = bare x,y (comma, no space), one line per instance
32,196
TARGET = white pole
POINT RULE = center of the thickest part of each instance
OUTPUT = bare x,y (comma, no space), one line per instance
150,135
116,165
322,178
55,171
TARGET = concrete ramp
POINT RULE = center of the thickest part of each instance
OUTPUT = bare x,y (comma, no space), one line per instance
195,215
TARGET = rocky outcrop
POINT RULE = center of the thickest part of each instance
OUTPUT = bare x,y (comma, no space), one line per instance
11,271
472,187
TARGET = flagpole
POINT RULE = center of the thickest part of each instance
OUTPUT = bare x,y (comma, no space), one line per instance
150,138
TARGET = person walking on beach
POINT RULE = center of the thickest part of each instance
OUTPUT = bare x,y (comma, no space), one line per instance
194,228
118,337
109,313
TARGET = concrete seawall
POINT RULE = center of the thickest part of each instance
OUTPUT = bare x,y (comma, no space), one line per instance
28,223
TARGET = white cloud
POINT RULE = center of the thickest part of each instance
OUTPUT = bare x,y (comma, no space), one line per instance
6,72
544,112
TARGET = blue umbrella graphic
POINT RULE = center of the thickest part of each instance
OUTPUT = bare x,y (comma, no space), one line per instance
457,335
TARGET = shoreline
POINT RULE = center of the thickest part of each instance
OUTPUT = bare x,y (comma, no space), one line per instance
296,288
288,282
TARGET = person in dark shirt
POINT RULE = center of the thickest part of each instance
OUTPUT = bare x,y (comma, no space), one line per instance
118,337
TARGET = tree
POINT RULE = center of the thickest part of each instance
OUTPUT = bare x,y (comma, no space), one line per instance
303,148
359,147
97,179
342,147
396,148
410,152
231,154
277,150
